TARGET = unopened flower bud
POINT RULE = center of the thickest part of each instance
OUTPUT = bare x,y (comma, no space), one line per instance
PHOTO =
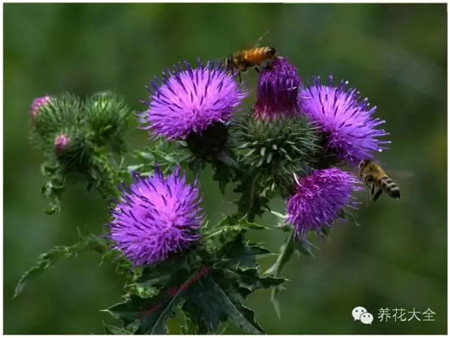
37,104
62,142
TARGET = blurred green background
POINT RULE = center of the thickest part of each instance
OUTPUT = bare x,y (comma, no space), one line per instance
394,54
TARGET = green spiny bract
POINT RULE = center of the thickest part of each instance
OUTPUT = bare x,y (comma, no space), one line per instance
59,113
107,115
275,150
79,140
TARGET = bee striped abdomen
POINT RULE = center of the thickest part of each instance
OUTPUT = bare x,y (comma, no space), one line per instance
390,187
260,54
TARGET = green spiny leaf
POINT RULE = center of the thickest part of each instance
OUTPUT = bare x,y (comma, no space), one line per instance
112,329
46,260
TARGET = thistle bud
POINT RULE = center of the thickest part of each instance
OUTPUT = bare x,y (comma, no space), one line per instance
61,143
37,104
278,89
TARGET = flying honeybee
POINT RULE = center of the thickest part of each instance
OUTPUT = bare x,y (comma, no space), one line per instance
376,179
253,56
241,60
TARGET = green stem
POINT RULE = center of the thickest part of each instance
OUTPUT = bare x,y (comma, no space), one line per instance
285,254
286,251
251,212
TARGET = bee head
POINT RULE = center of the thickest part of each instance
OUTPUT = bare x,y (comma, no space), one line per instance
271,51
229,63
363,163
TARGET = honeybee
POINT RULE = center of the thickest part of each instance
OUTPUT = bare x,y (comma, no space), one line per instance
243,59
376,179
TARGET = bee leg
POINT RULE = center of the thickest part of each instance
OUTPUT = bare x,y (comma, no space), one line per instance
377,195
257,69
370,195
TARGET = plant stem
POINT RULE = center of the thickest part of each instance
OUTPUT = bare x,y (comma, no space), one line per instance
251,210
286,251
285,254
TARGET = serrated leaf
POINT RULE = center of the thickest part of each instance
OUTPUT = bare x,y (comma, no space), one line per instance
151,314
223,175
238,253
302,246
46,260
209,295
275,299
216,304
112,329
244,223
250,279
230,225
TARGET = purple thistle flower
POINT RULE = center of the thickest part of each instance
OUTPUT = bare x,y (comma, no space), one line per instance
190,100
156,216
37,104
319,198
61,142
345,119
278,89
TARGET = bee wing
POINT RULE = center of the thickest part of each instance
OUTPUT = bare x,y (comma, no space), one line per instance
257,42
398,173
403,174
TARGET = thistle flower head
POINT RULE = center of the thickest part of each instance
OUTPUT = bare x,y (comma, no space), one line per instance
319,198
345,119
189,100
156,216
37,104
276,148
62,142
278,89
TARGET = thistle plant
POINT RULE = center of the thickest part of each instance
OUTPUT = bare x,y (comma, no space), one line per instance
299,142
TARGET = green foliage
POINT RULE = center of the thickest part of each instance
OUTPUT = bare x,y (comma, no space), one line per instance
53,187
46,260
292,244
112,329
94,129
208,285
254,199
166,155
